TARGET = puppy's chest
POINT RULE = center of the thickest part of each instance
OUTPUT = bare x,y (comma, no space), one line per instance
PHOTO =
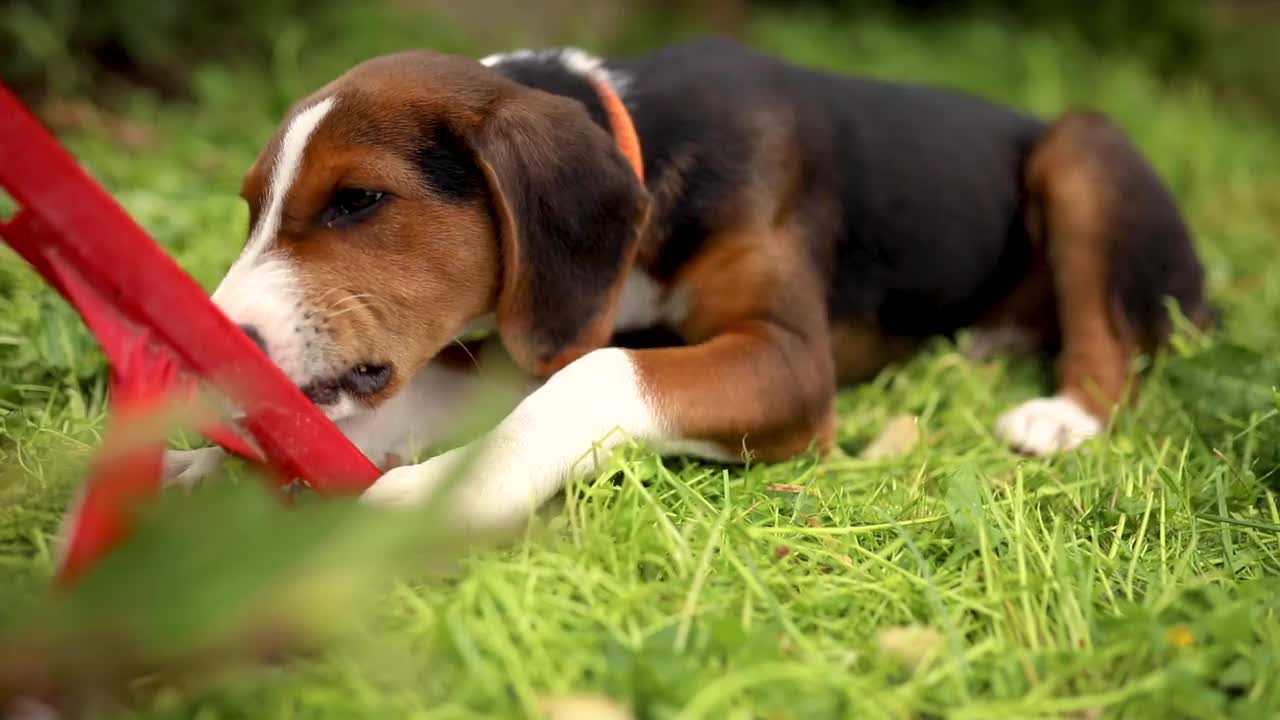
647,303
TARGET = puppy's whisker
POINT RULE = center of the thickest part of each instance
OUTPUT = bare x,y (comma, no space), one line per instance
350,298
347,298
467,350
345,310
327,293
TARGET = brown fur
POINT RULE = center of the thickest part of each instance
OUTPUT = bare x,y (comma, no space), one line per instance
762,362
861,351
757,324
399,287
529,147
1079,205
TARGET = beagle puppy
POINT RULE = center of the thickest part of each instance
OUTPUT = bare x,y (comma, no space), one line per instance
692,249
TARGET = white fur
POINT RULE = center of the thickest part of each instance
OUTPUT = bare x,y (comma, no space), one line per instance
560,430
676,305
415,419
646,303
1047,425
580,61
186,468
284,172
265,294
263,290
563,429
640,304
573,59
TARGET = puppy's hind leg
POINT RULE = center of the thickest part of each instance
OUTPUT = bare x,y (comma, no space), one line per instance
1116,248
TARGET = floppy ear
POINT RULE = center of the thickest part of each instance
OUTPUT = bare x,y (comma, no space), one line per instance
569,211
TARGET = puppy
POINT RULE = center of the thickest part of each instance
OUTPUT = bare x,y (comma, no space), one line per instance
790,231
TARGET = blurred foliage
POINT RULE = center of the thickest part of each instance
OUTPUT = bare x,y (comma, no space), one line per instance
1172,35
1224,43
65,47
1239,64
1232,393
221,575
211,578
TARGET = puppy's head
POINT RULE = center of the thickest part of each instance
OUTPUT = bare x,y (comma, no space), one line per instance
414,196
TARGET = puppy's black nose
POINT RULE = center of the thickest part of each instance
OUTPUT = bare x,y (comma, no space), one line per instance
255,336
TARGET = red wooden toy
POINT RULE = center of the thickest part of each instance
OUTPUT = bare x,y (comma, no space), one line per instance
163,337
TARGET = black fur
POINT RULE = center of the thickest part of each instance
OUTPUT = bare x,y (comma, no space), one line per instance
927,185
546,71
447,164
577,205
1152,255
574,246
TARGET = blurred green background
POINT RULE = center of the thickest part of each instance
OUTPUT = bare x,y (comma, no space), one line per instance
72,47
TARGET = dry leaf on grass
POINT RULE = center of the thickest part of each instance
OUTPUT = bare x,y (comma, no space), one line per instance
583,707
899,437
909,645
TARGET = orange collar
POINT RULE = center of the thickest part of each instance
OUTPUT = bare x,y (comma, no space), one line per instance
624,131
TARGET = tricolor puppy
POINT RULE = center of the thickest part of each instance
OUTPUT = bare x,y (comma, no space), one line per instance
792,229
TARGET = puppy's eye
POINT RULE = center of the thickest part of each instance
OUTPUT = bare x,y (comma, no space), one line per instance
351,205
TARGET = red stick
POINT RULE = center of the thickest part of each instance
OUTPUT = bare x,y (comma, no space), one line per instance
159,331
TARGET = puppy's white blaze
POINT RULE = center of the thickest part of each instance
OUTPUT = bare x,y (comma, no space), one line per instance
564,428
264,291
285,170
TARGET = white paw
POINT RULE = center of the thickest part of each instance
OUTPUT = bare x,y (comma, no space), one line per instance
413,484
401,486
1047,425
185,468
476,492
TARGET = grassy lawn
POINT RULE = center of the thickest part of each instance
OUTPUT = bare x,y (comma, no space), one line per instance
1134,578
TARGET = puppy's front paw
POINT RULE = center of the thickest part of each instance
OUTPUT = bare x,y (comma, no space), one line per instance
409,484
483,493
401,486
1047,425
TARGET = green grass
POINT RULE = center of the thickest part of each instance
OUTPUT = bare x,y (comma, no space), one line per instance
1134,578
